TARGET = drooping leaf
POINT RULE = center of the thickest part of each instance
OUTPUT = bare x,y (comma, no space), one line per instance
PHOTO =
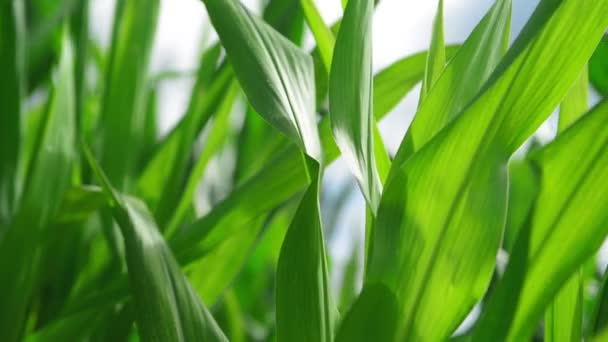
419,251
562,232
284,176
21,245
168,308
286,99
276,76
350,98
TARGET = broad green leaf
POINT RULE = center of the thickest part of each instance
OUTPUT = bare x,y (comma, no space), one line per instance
276,76
435,62
286,99
458,180
284,176
167,307
123,103
598,67
460,81
360,326
564,317
566,227
304,310
12,34
350,98
348,284
323,35
523,189
21,245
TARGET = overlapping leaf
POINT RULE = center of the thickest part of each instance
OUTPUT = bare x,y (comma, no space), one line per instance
350,98
562,232
21,245
123,104
12,75
441,218
564,317
168,308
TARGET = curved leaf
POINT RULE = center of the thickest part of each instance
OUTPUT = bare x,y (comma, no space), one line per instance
168,308
350,98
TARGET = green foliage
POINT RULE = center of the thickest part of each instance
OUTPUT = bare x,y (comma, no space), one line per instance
120,251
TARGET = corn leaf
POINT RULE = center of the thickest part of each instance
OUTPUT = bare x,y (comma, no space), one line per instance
123,104
419,251
564,317
160,184
435,62
561,233
285,97
461,80
304,308
350,98
284,176
323,35
216,139
598,67
21,245
168,308
11,93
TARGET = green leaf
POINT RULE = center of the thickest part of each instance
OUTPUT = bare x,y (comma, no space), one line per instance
216,139
360,326
160,183
461,80
458,180
562,232
323,35
564,317
276,76
79,203
287,100
395,81
304,309
21,245
435,62
598,67
350,98
12,29
284,176
123,103
167,307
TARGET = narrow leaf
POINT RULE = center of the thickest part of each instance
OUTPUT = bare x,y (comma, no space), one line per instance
435,62
21,245
350,98
123,104
167,307
562,232
564,317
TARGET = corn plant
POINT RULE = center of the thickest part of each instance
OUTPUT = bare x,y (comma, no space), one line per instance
101,237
